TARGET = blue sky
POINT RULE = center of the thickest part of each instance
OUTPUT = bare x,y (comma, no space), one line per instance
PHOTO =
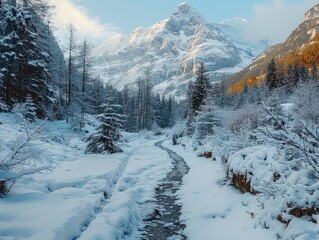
128,14
101,19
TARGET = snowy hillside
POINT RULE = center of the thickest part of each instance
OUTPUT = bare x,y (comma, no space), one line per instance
170,50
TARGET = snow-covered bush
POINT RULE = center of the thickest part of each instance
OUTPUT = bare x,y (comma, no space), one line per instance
22,157
256,165
283,167
235,130
306,99
4,107
299,143
243,120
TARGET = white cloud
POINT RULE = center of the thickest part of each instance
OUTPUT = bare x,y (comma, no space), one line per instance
276,21
66,12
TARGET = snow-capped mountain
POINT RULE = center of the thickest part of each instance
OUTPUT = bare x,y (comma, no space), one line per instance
170,50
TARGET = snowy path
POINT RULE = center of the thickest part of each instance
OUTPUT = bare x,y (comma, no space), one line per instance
164,223
211,210
118,173
123,213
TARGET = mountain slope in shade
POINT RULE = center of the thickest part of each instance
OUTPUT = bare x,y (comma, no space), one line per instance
301,37
169,51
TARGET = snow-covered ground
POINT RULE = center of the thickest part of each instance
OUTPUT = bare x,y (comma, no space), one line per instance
86,196
92,197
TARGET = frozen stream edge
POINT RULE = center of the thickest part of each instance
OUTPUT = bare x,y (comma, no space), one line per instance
165,223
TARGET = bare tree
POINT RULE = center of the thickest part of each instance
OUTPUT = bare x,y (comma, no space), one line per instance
86,64
71,52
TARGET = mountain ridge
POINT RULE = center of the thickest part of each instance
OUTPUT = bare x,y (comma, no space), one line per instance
170,50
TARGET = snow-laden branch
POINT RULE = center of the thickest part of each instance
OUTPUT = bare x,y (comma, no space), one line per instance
23,158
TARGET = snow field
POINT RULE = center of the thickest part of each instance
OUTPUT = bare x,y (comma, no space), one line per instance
86,196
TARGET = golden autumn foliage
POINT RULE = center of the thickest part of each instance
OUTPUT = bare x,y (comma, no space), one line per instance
307,55
249,81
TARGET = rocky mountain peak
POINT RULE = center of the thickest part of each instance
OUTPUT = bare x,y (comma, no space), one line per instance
185,12
312,13
184,8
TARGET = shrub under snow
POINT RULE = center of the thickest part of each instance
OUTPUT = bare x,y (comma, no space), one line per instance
21,157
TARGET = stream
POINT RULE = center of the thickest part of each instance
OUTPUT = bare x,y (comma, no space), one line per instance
164,223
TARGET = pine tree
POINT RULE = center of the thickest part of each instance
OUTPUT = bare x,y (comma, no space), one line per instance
159,111
131,113
271,76
201,88
189,112
303,74
23,58
144,104
206,120
314,71
171,104
289,82
30,107
108,133
295,76
148,106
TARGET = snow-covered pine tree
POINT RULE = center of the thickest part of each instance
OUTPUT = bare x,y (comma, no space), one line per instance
201,88
97,95
27,109
159,111
288,82
189,111
30,108
23,60
39,7
131,113
218,92
242,97
271,76
206,119
199,92
108,133
144,104
171,104
148,111
303,74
